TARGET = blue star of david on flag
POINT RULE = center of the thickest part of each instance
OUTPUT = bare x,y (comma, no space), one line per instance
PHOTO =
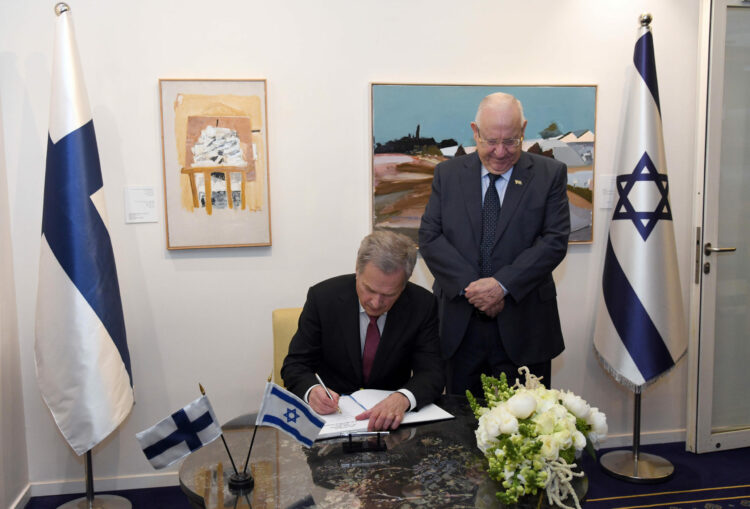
644,221
183,432
291,415
284,411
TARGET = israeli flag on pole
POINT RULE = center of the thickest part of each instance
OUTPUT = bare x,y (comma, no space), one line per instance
285,411
640,329
183,432
82,359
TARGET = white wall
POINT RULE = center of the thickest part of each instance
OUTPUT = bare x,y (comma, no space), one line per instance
14,474
204,315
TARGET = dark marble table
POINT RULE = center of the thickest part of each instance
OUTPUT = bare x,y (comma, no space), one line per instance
429,465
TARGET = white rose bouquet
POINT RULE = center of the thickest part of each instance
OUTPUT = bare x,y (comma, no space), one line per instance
532,435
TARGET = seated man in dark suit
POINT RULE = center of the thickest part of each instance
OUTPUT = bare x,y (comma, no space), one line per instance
372,329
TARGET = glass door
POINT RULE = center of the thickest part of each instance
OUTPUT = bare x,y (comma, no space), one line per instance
723,383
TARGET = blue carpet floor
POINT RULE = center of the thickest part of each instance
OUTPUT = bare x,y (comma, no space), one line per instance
717,480
703,481
170,497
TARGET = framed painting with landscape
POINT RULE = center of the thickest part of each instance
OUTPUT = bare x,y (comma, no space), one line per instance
415,127
214,146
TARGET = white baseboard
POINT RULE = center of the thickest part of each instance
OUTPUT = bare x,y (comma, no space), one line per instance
22,499
648,437
131,482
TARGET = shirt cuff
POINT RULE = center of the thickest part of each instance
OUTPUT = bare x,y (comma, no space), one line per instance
307,393
505,290
410,397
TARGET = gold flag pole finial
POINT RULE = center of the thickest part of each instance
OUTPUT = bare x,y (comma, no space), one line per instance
646,19
270,376
61,7
203,391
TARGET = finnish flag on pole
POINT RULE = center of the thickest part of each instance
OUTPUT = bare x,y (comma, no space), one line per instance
181,433
82,359
640,329
285,411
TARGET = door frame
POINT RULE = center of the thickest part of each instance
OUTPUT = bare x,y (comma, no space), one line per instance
699,437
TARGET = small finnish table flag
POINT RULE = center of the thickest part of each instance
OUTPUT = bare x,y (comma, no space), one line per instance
183,432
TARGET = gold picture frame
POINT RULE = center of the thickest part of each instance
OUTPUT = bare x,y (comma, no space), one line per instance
215,161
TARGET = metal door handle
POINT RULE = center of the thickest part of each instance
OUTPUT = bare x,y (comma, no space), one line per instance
708,249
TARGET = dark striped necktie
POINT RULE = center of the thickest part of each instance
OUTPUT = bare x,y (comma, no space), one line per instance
490,214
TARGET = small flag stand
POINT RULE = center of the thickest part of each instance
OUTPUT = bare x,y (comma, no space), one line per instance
98,502
635,466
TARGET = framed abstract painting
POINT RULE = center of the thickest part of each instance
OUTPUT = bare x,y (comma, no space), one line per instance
215,154
415,127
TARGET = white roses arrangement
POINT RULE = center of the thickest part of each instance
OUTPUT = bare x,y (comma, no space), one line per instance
532,435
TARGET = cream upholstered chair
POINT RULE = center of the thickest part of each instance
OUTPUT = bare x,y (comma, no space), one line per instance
284,322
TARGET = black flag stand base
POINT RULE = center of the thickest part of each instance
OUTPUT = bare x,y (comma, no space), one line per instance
99,501
635,466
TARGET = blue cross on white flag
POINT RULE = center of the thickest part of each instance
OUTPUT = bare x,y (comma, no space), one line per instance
183,432
640,329
285,411
82,359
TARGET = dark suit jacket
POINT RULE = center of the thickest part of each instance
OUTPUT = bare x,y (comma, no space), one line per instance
327,342
531,240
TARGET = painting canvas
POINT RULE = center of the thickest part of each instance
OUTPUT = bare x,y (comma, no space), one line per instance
216,191
415,127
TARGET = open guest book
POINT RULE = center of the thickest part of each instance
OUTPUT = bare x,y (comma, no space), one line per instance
351,405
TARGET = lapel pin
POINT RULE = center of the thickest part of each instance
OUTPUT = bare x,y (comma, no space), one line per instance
517,182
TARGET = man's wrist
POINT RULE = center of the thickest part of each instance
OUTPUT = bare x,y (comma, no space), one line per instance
410,397
307,393
505,290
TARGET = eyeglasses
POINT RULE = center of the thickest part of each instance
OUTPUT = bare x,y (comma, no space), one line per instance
508,143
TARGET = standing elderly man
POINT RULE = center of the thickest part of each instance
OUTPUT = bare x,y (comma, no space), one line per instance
372,329
496,225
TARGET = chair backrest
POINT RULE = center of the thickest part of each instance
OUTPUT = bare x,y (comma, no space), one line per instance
284,322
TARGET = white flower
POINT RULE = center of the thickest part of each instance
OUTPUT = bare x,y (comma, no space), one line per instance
521,405
545,422
598,422
564,438
579,441
493,423
507,421
575,404
549,450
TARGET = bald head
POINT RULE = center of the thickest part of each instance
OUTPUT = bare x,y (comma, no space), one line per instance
502,105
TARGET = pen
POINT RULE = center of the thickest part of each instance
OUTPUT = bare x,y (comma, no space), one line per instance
367,433
327,391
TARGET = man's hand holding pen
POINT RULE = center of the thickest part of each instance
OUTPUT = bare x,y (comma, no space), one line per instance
321,403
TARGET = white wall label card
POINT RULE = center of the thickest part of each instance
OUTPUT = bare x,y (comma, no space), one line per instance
140,204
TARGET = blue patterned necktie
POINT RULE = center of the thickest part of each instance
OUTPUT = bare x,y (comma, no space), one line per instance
490,214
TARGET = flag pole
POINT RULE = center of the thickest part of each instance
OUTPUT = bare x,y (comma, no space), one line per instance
72,158
203,393
652,341
252,440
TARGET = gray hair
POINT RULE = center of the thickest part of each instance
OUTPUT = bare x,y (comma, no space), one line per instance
496,98
388,251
